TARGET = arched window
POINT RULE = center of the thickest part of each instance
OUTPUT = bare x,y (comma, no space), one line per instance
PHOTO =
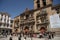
38,3
44,2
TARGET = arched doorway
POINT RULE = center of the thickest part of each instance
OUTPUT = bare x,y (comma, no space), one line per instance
42,30
26,30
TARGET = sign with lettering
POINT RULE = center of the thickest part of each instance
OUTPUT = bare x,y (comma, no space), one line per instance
55,21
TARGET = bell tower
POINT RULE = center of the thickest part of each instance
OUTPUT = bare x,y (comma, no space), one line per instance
41,3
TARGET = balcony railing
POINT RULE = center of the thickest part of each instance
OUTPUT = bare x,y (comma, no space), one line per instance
41,14
5,27
22,21
31,19
45,22
16,26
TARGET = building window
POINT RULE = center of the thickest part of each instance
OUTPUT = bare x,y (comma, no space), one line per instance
24,17
0,24
43,11
10,25
16,30
38,3
11,21
44,2
30,15
7,20
16,25
1,19
4,24
27,16
57,10
7,25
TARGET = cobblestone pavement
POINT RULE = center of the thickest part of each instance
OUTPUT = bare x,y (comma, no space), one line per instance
16,38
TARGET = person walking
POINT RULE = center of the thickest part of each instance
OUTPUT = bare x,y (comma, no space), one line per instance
49,35
10,38
19,38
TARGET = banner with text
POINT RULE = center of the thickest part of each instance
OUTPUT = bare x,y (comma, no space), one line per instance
55,21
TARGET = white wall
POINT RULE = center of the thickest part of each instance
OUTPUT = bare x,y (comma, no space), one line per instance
5,19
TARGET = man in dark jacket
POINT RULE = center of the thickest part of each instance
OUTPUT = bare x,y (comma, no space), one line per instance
10,38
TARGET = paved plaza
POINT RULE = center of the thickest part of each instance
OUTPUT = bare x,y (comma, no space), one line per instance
16,38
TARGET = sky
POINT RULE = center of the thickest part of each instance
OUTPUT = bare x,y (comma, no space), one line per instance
16,7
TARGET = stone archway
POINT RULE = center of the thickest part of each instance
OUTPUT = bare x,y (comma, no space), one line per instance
26,30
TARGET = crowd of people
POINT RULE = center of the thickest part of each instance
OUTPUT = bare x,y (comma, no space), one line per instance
42,34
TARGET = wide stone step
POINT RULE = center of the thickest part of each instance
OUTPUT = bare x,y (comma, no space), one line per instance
56,38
